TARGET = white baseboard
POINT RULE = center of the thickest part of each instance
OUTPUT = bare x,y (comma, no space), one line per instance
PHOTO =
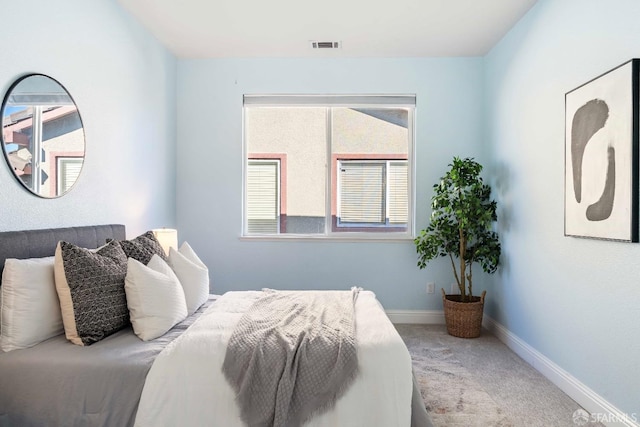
431,317
599,408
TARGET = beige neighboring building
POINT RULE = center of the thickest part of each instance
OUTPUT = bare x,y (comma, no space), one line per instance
287,166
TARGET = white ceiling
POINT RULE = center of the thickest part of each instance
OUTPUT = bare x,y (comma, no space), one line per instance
366,28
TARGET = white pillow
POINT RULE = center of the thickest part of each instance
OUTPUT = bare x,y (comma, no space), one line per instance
30,309
154,297
193,275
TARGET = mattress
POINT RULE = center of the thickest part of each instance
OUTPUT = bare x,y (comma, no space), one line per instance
56,383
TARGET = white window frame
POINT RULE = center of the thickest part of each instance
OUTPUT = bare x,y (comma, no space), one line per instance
407,101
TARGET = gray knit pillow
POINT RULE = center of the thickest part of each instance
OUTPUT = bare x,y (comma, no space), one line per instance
143,247
90,286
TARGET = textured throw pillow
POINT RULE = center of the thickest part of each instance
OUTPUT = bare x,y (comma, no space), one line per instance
154,296
30,309
193,275
90,285
143,247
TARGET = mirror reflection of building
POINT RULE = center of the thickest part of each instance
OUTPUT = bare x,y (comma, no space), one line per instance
42,135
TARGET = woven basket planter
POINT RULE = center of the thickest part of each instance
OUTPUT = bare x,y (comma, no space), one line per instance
463,319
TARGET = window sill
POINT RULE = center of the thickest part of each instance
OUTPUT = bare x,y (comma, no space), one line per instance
350,238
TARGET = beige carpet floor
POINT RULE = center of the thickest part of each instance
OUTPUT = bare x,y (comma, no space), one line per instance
481,382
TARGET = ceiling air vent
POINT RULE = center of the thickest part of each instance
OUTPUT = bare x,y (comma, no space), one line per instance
325,45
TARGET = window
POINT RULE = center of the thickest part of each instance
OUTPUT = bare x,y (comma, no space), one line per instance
263,196
68,171
328,166
372,194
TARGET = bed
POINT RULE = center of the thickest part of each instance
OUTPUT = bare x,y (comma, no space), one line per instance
176,379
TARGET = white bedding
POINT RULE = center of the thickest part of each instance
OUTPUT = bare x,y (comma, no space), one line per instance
186,387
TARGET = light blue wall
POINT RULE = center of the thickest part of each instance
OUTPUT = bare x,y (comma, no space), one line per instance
123,81
577,301
209,169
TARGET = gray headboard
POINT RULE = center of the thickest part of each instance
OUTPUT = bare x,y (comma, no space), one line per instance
42,243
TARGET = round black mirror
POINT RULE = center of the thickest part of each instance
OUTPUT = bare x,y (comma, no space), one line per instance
42,135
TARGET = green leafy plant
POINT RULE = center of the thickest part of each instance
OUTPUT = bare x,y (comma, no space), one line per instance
461,225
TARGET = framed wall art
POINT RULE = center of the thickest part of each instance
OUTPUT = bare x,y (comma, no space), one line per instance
601,156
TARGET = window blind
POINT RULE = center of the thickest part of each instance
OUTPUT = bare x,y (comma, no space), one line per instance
362,189
262,196
398,188
330,100
68,172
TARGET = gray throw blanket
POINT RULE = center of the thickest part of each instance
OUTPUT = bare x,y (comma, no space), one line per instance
292,355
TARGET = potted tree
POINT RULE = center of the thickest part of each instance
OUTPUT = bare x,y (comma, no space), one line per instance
461,227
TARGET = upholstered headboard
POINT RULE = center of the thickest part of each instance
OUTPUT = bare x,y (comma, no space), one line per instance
42,243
